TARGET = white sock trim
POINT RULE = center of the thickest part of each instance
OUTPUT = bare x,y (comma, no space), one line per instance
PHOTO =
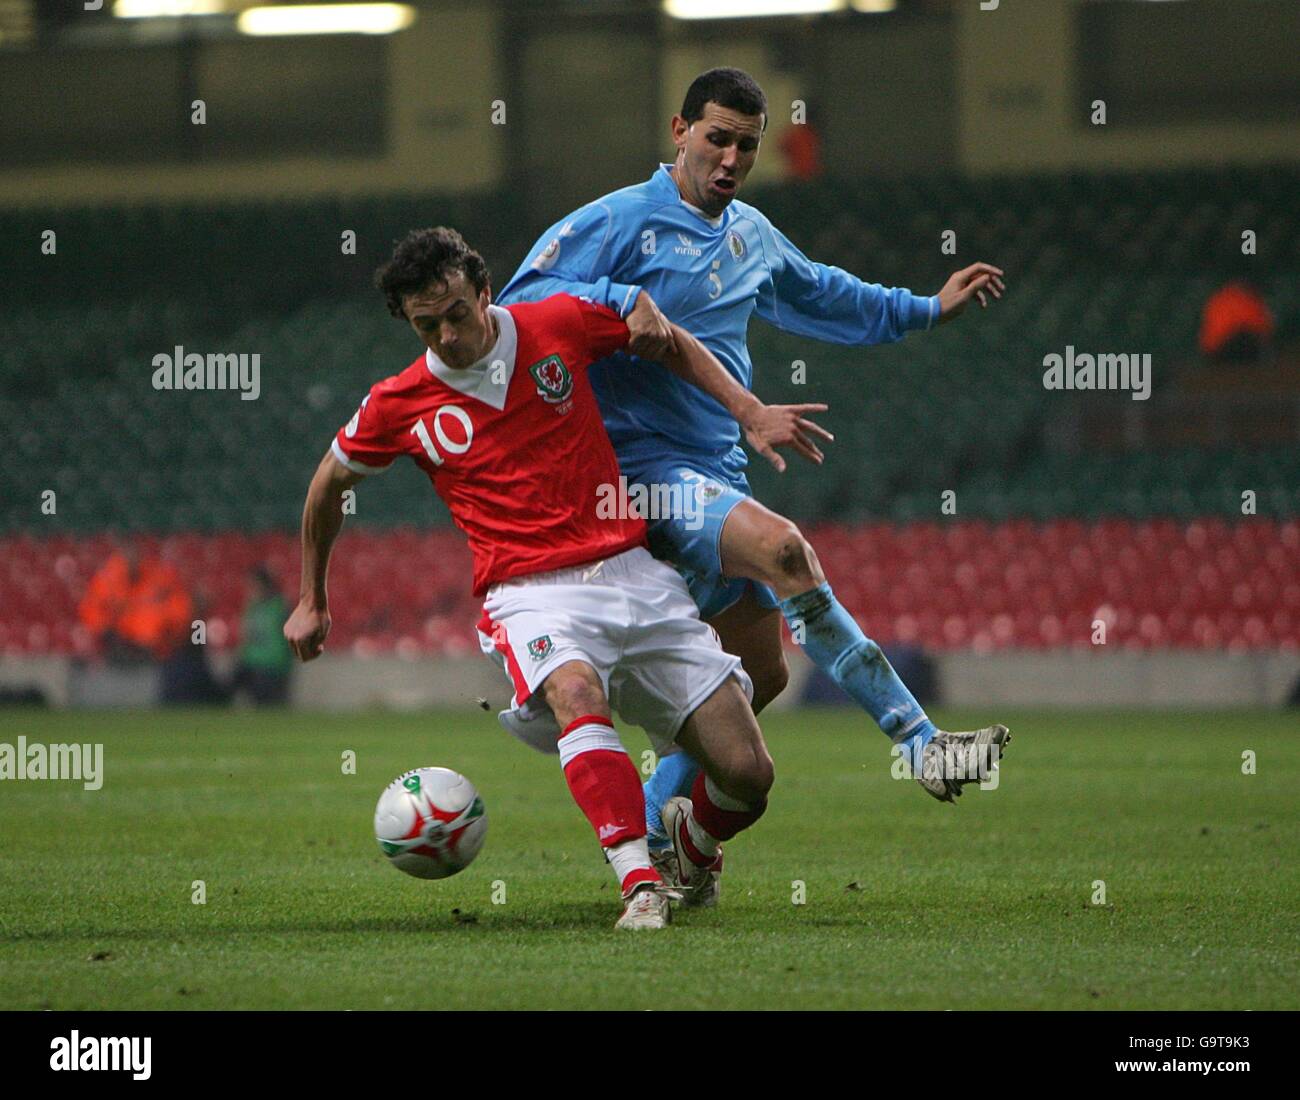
629,856
724,801
706,842
594,735
907,729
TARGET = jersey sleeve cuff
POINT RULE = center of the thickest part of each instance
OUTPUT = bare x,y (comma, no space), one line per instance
352,464
923,312
622,298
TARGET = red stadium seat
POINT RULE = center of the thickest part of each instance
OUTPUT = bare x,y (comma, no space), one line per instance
1204,584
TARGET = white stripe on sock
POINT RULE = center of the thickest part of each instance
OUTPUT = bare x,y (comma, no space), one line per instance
593,735
724,801
706,842
911,726
631,855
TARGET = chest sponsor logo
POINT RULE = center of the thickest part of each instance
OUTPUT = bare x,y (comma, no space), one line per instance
554,382
539,648
687,247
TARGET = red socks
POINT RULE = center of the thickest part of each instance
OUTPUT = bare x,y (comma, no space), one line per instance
605,785
719,815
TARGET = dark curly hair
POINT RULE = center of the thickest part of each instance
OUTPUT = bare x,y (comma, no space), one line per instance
734,89
427,256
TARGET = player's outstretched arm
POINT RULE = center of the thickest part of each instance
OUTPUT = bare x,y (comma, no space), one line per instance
766,426
828,303
322,519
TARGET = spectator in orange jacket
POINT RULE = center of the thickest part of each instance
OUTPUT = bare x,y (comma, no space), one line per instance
800,144
1236,326
136,608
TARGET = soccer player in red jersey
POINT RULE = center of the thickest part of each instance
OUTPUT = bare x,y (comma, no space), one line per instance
499,414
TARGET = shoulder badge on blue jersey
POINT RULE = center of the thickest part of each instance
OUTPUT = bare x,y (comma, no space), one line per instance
547,256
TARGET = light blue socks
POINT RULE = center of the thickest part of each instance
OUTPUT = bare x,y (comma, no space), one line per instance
675,775
836,644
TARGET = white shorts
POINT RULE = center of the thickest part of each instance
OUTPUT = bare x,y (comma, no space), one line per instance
632,619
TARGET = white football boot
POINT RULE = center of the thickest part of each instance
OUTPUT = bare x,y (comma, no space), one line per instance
951,760
648,907
665,862
700,887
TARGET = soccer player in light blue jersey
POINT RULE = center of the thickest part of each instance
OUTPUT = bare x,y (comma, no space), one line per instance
682,243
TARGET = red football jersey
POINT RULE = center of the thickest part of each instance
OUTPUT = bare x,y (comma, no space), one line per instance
514,444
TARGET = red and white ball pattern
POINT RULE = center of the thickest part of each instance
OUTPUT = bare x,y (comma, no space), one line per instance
430,822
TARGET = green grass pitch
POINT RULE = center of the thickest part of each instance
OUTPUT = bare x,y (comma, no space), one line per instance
909,903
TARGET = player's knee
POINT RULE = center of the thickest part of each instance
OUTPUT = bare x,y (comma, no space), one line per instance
789,556
752,779
764,774
571,693
746,770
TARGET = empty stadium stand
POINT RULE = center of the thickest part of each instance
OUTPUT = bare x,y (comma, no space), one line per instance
1047,536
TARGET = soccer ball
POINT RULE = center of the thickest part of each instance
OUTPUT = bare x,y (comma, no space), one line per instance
430,822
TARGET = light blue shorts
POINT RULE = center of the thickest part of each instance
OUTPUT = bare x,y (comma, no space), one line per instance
695,497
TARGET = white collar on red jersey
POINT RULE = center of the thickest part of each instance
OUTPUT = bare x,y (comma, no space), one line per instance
480,380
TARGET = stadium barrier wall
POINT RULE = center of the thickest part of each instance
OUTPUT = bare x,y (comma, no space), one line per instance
1160,679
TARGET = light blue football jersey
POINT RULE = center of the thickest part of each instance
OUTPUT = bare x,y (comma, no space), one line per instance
708,275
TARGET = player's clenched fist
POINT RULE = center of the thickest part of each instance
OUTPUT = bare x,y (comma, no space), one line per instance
652,336
305,631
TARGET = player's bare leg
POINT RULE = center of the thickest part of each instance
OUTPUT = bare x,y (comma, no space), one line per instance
753,633
729,795
764,546
759,544
606,787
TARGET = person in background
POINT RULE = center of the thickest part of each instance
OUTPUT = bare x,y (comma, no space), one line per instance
185,676
136,608
140,613
265,659
1236,326
800,145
